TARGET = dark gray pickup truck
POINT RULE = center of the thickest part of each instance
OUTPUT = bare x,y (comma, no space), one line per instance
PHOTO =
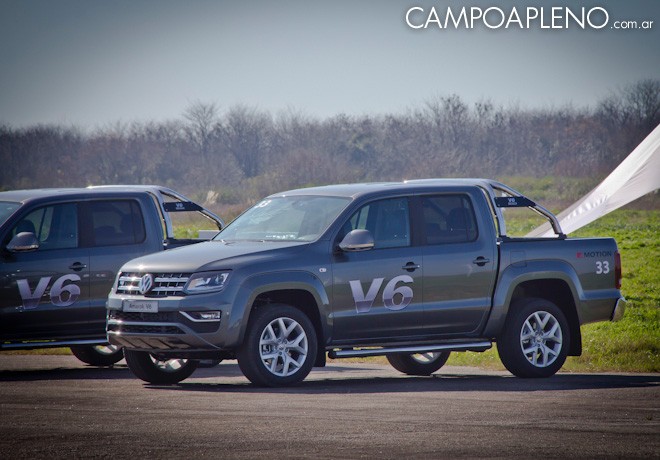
410,270
59,255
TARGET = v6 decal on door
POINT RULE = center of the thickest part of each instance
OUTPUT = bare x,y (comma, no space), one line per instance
60,295
363,303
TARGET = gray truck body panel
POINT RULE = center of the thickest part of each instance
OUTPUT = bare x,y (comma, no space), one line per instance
412,292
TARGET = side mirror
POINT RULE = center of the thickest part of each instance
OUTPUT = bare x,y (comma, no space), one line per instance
23,242
357,240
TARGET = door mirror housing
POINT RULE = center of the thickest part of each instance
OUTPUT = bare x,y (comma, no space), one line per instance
23,242
357,240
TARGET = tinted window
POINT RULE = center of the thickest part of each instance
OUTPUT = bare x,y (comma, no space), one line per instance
7,208
56,227
116,223
448,219
387,220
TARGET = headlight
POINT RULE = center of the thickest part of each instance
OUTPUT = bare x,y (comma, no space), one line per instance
206,282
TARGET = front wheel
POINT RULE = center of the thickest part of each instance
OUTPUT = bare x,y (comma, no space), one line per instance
158,371
419,363
535,340
279,347
98,355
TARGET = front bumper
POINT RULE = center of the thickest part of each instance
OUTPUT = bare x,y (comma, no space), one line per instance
171,328
619,309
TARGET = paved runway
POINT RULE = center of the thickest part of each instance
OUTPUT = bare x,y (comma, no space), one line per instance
56,407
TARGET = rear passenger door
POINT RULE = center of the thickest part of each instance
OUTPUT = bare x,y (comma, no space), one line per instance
114,231
459,262
44,293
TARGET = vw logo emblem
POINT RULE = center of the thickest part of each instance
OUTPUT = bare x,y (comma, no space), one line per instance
146,283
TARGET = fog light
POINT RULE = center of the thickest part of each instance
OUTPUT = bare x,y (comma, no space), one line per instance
202,315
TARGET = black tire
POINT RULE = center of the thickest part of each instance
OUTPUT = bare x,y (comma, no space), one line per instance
98,355
536,339
158,371
289,355
418,364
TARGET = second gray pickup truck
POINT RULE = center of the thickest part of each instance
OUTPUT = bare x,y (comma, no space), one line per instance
60,250
410,270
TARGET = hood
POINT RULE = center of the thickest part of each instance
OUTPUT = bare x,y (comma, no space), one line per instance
211,255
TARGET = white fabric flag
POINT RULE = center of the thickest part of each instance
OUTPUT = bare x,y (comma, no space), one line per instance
636,176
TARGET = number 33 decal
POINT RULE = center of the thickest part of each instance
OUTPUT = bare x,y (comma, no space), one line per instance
602,267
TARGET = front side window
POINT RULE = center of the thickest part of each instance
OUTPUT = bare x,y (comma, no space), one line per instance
448,219
56,226
387,220
288,218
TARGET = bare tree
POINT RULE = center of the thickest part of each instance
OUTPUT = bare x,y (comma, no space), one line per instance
202,119
247,134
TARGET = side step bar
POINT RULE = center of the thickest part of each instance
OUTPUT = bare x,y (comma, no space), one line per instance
51,344
455,346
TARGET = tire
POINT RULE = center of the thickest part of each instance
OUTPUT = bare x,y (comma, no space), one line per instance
419,363
154,370
536,339
279,348
98,355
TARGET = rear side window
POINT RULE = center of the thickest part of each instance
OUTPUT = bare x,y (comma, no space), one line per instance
448,219
115,223
56,226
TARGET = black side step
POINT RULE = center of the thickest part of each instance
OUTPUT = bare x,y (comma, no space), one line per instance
453,346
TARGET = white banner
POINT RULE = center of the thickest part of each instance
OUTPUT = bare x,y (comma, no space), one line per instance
636,176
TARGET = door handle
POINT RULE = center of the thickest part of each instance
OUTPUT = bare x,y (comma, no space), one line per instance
480,261
77,266
411,266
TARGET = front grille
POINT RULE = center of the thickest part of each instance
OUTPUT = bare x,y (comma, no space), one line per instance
165,284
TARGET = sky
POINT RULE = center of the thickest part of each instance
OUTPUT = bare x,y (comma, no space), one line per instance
89,63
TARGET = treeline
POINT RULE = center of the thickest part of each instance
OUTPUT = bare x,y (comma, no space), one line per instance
235,156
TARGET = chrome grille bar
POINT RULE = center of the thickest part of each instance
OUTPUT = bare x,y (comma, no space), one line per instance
165,284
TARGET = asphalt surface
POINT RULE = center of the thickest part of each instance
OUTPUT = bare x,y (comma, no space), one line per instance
56,407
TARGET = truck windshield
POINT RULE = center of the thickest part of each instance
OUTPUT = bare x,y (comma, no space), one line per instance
287,218
7,208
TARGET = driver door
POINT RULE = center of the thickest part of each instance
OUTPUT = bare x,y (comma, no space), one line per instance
377,293
44,293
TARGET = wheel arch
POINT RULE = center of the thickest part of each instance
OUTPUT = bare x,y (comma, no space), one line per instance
302,300
558,292
300,290
554,281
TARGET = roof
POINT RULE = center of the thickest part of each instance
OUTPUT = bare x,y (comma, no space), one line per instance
161,194
373,188
23,196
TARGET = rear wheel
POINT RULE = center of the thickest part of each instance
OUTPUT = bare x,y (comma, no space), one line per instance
279,348
159,371
536,339
418,363
98,355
